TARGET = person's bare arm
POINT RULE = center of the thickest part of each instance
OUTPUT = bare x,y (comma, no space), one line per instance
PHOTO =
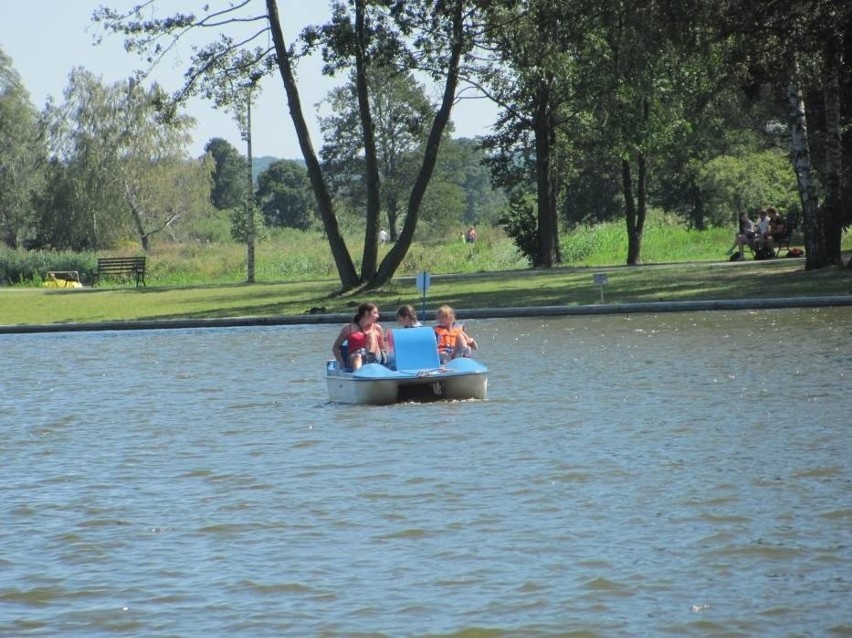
335,349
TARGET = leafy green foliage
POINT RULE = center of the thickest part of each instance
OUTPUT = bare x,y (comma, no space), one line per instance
118,170
22,155
520,224
745,184
284,195
400,114
229,174
31,267
462,162
442,208
212,228
240,228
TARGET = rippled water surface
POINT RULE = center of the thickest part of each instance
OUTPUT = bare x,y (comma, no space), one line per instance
680,475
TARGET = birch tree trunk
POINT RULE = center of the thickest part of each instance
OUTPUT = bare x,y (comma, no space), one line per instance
832,211
815,253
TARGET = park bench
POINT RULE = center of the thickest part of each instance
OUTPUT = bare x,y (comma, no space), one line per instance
120,267
782,241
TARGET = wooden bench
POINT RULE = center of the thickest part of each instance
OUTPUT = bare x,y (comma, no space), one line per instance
120,267
779,241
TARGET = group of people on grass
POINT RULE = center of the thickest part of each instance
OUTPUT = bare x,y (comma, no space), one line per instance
761,235
367,341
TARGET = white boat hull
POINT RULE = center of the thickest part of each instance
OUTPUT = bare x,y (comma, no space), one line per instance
374,384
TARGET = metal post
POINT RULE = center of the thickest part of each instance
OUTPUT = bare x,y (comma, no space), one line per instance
600,280
250,233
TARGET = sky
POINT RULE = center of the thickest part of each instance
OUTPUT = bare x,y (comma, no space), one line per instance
46,39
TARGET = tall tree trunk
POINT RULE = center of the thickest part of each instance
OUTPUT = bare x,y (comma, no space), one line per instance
136,216
371,162
10,238
636,211
340,254
556,183
546,253
815,253
697,213
398,251
629,209
642,202
392,214
832,212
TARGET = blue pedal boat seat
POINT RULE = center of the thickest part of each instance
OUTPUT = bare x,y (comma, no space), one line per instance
414,349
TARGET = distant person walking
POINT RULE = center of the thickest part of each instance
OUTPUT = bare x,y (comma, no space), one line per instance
470,236
383,236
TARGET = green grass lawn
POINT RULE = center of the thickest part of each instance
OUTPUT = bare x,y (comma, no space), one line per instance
514,288
295,273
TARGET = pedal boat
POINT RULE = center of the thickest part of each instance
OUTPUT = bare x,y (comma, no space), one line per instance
414,373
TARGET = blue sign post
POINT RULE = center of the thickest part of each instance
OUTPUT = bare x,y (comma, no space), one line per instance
600,280
423,286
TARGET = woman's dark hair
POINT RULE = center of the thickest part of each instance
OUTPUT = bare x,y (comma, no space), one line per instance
407,312
363,310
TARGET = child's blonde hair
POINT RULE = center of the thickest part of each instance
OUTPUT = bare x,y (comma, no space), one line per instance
445,311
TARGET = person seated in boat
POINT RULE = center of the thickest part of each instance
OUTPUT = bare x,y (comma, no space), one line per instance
364,337
453,341
406,317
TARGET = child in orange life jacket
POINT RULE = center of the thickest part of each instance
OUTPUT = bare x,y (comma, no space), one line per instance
453,341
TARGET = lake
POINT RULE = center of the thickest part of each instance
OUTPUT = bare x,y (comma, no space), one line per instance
679,474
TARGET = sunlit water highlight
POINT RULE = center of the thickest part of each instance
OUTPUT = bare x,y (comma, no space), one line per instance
683,474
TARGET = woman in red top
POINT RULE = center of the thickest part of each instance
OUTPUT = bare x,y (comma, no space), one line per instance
365,339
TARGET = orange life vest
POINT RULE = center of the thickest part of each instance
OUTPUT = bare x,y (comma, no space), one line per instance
447,338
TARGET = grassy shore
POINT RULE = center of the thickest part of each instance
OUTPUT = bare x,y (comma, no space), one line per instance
779,278
295,275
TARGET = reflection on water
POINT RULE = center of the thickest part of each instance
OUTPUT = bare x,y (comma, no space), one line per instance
682,474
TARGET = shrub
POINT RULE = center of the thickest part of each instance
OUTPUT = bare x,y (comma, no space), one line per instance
20,267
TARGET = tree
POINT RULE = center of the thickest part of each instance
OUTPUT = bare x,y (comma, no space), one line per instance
442,208
798,50
532,78
121,168
84,207
22,155
635,76
463,162
414,34
401,113
284,195
229,174
164,193
161,185
745,184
